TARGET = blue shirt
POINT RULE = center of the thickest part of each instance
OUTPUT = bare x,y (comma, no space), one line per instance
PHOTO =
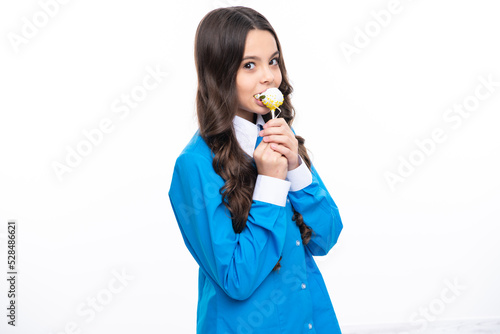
238,290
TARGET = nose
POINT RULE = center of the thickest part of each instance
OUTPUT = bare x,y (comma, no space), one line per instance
267,75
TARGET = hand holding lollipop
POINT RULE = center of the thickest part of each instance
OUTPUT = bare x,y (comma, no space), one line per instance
272,98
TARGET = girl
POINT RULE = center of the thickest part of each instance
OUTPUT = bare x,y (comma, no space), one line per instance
250,205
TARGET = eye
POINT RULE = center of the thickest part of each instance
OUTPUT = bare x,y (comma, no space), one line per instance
274,61
249,66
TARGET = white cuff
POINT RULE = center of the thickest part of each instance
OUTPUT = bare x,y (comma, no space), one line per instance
300,177
271,190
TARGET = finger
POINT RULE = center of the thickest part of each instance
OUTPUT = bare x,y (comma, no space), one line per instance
275,123
280,139
283,150
275,130
271,154
279,128
260,148
261,144
291,157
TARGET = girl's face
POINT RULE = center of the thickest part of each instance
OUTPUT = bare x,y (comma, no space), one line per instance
258,71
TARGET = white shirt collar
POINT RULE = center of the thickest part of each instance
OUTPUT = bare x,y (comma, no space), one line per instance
247,133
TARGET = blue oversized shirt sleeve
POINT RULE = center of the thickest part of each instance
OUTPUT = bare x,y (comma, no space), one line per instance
319,212
237,263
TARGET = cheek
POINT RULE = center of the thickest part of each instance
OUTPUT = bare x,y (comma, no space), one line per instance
277,78
241,84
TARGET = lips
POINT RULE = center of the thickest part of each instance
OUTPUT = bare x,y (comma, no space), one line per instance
263,91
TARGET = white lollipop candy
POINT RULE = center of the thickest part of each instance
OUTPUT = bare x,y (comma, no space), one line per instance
272,98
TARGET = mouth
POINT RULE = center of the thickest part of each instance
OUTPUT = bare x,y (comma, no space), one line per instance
262,91
259,102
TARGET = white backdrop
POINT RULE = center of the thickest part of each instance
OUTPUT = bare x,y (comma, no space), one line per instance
98,101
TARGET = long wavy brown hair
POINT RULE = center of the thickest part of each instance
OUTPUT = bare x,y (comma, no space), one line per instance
219,47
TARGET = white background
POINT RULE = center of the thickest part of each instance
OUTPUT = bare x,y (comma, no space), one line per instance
111,213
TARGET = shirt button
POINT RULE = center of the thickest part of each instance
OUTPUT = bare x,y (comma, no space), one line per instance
303,286
297,243
310,326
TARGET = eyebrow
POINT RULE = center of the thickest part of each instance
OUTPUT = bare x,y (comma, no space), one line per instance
257,58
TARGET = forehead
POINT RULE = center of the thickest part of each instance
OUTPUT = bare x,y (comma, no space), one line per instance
260,43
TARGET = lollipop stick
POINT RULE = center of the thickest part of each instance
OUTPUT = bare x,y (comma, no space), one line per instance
278,113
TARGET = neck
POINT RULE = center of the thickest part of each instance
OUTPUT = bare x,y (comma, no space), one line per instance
249,116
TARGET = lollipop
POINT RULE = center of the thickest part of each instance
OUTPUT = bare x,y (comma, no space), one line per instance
272,98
